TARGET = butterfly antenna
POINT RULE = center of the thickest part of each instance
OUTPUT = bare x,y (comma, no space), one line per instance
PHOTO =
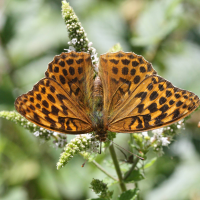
126,150
85,161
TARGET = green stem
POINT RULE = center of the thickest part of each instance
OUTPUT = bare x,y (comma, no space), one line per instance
103,170
131,142
136,186
132,168
117,168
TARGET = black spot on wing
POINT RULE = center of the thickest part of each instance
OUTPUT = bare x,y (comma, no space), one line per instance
80,70
64,72
114,61
179,103
152,108
125,61
162,100
62,79
62,63
79,61
45,111
171,102
164,108
135,63
141,95
115,70
168,93
71,70
153,95
136,80
51,98
160,118
140,108
161,87
70,61
36,117
142,69
176,113
56,69
54,110
133,72
61,97
32,99
45,103
150,86
52,89
39,97
125,70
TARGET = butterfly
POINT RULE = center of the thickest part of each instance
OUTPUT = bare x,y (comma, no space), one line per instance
126,96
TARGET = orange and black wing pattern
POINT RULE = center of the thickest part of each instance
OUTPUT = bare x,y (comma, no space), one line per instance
61,101
136,98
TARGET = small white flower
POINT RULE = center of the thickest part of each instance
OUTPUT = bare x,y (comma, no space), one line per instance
178,126
55,133
165,141
145,133
37,133
71,48
152,139
89,44
74,41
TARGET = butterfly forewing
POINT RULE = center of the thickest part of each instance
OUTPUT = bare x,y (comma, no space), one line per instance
121,73
60,101
74,73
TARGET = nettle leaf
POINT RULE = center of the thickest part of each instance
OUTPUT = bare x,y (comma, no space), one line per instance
136,175
129,194
150,163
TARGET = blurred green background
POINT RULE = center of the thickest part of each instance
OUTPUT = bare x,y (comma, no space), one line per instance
32,32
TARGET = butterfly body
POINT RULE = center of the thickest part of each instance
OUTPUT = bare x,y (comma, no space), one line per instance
127,96
99,126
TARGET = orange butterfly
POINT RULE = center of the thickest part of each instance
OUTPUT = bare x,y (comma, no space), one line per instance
127,96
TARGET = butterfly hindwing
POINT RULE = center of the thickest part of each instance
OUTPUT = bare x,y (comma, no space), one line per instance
60,101
159,104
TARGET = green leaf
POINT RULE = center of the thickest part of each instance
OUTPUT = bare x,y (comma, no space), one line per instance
150,163
129,194
136,175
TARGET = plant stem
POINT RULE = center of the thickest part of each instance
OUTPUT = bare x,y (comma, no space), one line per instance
136,186
132,168
131,142
117,168
103,170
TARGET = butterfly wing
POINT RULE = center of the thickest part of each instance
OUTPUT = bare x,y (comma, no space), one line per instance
136,99
120,74
158,105
60,102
